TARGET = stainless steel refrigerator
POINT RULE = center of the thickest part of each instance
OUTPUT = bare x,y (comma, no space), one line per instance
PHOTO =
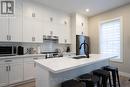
82,45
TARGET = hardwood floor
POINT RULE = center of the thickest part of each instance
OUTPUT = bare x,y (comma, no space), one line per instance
123,80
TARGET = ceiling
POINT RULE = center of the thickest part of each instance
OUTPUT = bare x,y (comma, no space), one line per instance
95,6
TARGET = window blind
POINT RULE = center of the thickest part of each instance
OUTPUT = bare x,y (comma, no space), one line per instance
110,38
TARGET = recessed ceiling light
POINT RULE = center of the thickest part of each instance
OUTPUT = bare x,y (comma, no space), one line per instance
87,10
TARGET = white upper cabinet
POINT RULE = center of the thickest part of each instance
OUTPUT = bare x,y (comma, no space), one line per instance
11,25
27,30
15,29
65,34
4,29
81,25
37,31
31,21
32,27
32,30
50,28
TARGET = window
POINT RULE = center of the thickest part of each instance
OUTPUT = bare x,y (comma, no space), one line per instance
111,38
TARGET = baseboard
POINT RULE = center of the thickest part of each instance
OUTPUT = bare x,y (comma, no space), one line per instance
124,74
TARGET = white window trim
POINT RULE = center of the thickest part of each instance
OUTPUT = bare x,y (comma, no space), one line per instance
121,39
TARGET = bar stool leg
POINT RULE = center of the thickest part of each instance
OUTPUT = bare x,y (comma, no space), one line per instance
110,81
98,84
118,77
114,78
104,81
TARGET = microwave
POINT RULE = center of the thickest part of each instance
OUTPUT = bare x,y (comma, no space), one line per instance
8,50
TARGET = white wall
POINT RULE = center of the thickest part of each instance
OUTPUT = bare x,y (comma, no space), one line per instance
94,34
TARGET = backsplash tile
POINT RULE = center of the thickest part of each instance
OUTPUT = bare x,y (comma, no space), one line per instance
46,46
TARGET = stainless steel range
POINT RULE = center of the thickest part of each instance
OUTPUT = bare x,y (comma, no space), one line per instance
52,54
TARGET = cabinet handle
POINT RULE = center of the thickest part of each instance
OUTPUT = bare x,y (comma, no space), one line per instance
65,41
35,58
82,33
7,68
8,60
7,37
34,64
33,38
51,33
10,37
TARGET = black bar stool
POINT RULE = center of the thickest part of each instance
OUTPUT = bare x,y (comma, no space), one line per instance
115,74
104,77
73,83
90,80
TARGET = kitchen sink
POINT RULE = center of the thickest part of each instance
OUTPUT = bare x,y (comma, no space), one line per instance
79,57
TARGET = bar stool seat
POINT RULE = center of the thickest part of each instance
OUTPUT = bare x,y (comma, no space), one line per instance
115,74
104,77
90,80
73,83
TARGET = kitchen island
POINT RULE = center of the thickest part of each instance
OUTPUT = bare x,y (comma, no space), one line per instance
52,72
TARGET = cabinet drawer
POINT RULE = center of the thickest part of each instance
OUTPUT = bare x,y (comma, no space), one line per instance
31,59
15,60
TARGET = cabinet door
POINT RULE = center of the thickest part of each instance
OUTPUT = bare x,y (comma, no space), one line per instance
3,28
61,34
37,31
3,75
15,72
27,29
64,34
54,28
15,23
15,29
29,70
46,28
67,34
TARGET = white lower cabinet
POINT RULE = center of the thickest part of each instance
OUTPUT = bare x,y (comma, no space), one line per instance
29,67
3,75
16,70
15,73
29,70
11,71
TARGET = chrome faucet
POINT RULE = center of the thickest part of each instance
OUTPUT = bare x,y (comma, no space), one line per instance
85,51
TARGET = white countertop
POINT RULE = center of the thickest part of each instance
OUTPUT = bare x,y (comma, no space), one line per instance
22,56
57,65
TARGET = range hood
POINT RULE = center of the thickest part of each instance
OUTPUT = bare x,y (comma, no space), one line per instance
47,37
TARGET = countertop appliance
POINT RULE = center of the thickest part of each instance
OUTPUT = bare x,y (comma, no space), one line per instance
82,45
8,51
20,50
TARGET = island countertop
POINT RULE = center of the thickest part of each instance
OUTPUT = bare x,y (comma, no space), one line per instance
61,64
